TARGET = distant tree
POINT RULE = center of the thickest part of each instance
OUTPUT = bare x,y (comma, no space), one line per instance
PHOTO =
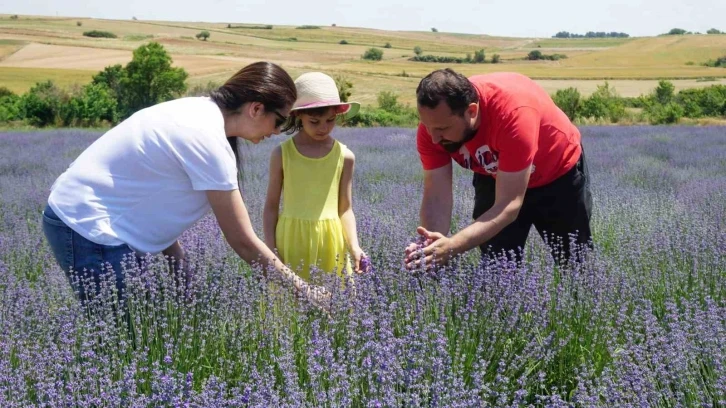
134,18
343,42
203,35
43,103
388,45
111,77
345,87
417,50
150,79
713,31
677,31
14,17
568,100
373,54
78,23
496,59
5,91
229,25
388,101
479,56
334,25
665,92
534,55
434,30
99,34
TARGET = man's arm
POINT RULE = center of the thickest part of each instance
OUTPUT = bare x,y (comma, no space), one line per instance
510,190
509,196
438,199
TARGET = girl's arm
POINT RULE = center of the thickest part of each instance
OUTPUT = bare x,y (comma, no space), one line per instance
272,203
236,226
345,210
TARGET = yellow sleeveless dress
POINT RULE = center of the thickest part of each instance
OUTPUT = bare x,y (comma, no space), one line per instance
309,231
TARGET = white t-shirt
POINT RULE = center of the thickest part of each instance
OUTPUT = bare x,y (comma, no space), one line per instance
143,182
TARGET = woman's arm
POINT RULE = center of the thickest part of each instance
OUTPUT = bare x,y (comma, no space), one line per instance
236,226
345,210
272,203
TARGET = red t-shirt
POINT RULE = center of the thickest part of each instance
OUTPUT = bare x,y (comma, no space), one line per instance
520,126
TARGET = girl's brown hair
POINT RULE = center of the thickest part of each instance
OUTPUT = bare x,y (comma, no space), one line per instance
294,123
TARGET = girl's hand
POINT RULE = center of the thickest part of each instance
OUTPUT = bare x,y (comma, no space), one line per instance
360,261
319,296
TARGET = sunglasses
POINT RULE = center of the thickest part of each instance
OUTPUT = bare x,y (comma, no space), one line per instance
280,119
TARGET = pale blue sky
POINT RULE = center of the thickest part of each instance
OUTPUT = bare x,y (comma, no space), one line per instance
522,18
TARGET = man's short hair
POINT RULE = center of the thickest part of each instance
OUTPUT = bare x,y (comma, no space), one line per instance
446,85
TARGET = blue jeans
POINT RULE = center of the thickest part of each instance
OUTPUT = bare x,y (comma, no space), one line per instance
82,259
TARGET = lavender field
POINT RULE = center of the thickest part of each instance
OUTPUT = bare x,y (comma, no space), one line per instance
641,323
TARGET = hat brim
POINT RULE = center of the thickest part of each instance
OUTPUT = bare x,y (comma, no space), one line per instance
353,108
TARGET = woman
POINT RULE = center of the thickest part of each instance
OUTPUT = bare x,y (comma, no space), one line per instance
147,180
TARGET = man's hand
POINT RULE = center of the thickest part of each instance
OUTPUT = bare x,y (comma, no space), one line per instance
431,248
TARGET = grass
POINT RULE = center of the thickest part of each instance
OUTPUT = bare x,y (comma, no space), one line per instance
20,80
635,62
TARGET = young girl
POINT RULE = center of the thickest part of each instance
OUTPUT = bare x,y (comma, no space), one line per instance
314,173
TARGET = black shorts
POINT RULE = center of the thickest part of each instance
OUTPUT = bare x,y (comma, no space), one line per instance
560,211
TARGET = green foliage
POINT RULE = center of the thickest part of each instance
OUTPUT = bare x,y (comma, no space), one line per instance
257,27
669,113
308,27
111,77
714,31
41,106
434,30
676,31
388,101
150,79
4,91
345,88
496,59
591,34
479,56
699,102
664,93
389,112
203,35
569,101
417,50
343,42
202,89
536,55
10,109
388,45
604,103
718,62
373,54
94,105
99,34
78,23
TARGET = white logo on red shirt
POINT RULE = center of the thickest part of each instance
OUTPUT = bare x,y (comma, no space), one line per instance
488,159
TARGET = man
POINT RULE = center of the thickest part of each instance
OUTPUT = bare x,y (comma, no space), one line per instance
528,164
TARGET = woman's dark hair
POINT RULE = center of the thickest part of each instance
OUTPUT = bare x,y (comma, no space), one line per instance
294,123
262,82
446,85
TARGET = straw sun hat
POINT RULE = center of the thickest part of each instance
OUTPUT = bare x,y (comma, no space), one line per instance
316,90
